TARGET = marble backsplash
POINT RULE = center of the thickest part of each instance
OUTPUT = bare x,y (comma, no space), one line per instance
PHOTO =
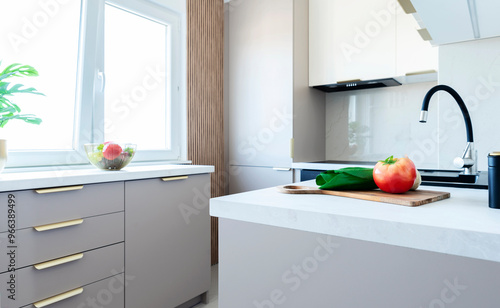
369,125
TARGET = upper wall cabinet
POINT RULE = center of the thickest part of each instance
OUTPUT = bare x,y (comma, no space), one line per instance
451,21
364,40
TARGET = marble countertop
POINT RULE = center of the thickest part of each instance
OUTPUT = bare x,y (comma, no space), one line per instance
66,176
463,225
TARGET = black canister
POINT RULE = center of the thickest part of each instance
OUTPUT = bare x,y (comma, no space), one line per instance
494,180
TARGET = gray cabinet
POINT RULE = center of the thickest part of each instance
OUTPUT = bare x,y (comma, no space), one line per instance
295,269
64,240
40,283
104,293
167,236
41,246
71,245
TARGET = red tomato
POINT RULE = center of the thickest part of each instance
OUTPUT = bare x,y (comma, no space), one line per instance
395,175
111,151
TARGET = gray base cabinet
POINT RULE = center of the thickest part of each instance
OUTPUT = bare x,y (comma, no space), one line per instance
61,242
142,243
167,240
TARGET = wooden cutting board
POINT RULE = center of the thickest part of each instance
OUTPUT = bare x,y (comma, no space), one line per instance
409,198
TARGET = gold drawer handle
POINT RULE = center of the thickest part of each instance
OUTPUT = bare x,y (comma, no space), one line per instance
58,189
58,225
52,263
58,298
407,6
421,72
426,36
174,178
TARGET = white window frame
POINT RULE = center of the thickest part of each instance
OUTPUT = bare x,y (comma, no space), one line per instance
89,107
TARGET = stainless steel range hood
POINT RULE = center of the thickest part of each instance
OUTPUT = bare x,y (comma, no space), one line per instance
358,85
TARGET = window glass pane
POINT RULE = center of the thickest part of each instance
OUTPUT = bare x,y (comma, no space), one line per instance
136,100
43,34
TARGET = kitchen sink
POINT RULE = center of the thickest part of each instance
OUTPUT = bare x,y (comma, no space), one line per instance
454,178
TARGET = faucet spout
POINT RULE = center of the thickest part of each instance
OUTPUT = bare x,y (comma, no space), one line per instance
458,99
468,161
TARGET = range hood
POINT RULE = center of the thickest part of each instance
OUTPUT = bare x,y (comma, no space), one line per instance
358,85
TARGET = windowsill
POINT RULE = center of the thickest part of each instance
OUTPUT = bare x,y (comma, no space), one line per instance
55,176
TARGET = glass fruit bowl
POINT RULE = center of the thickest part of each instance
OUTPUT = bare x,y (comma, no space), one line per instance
110,155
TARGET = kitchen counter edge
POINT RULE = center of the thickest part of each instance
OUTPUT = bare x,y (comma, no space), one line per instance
462,225
57,177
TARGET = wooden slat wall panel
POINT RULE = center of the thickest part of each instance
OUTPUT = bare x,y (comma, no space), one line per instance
205,105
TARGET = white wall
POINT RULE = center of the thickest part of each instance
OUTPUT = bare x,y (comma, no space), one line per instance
387,119
473,70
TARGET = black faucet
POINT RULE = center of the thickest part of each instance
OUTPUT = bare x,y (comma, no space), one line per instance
469,157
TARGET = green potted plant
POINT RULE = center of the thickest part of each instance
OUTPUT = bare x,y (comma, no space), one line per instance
9,110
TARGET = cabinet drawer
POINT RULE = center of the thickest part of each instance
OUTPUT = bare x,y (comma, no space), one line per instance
40,207
107,293
33,285
39,246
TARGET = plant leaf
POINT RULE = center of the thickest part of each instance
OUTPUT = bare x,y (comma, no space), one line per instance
5,90
8,110
19,70
28,118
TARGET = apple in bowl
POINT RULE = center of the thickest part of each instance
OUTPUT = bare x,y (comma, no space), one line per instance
110,155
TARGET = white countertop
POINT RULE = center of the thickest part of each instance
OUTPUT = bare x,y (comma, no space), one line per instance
463,225
66,176
330,165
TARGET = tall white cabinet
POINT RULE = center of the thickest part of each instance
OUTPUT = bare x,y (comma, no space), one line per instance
274,117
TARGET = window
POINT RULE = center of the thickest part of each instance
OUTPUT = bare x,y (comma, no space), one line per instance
31,34
110,70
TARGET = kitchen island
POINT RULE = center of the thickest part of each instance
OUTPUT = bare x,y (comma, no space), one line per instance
280,250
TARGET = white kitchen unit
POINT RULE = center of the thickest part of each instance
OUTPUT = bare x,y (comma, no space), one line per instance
452,21
243,178
364,40
414,55
274,117
324,251
64,237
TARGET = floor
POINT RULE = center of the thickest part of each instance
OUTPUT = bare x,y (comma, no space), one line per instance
213,293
